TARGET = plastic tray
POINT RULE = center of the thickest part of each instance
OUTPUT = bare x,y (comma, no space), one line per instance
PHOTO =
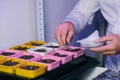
2,58
10,69
12,53
26,56
68,71
35,43
52,65
68,50
62,55
21,47
30,73
41,50
52,45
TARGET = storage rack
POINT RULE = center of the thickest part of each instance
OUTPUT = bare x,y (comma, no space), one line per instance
40,19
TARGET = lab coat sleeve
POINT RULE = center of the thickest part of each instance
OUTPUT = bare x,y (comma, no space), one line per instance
82,14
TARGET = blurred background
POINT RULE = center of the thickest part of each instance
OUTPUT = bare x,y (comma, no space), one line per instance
19,21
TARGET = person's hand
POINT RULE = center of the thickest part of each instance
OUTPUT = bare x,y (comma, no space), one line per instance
64,33
113,46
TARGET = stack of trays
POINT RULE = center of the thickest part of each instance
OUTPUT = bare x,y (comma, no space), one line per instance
36,58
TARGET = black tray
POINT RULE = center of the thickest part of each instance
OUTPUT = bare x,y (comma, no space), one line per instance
67,71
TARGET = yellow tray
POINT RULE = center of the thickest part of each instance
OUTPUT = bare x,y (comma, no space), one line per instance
35,43
2,58
30,73
25,47
10,69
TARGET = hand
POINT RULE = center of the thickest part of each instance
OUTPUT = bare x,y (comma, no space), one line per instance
64,33
113,46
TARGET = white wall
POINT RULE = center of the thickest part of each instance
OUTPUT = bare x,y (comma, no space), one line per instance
17,22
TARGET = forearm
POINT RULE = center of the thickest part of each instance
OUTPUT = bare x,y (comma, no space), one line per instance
79,21
82,14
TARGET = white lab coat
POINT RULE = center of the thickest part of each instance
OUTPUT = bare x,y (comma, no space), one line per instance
83,13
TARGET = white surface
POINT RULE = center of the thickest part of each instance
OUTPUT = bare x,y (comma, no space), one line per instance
92,73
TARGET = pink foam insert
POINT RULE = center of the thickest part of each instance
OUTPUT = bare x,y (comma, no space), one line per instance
77,51
50,61
10,53
62,55
28,56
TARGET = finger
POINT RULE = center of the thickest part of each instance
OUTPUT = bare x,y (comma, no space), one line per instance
108,53
58,36
69,36
100,49
107,38
63,37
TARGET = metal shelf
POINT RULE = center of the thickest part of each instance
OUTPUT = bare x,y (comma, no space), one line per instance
40,20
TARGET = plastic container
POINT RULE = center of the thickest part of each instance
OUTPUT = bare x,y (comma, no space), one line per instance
76,51
90,43
35,43
8,65
10,53
30,70
62,55
52,45
27,56
21,47
40,50
50,61
2,58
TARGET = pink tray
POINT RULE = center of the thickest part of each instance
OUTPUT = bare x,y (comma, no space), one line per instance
27,56
69,50
62,55
10,53
50,66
